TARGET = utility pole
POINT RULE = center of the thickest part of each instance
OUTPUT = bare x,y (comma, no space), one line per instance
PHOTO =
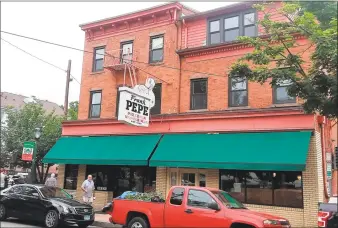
67,87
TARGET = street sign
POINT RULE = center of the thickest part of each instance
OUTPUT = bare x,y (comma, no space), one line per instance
28,151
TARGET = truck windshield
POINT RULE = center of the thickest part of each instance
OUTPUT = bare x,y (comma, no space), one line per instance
228,200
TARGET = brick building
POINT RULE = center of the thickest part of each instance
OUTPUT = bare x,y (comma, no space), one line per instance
251,140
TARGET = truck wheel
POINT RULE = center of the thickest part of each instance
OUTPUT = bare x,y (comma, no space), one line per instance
138,222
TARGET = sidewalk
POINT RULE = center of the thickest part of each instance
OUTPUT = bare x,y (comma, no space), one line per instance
102,220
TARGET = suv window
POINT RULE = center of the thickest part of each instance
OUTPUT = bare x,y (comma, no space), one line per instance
28,191
16,190
177,196
198,198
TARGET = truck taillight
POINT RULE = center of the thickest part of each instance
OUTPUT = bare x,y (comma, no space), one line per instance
323,216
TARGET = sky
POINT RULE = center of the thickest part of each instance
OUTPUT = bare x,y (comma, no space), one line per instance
56,22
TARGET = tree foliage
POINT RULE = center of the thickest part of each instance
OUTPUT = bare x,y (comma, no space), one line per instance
20,127
73,110
275,60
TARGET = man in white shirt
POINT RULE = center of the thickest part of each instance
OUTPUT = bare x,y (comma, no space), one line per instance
88,189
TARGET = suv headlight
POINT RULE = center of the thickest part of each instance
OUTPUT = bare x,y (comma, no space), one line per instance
270,222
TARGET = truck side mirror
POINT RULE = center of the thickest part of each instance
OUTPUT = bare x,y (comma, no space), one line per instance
214,206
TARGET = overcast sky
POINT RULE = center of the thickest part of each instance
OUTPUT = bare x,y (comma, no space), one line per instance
59,23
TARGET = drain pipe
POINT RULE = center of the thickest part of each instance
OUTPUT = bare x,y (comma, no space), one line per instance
321,121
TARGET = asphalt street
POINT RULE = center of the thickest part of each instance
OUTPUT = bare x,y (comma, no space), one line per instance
11,223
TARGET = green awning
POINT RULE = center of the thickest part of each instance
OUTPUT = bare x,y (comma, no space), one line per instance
278,151
107,150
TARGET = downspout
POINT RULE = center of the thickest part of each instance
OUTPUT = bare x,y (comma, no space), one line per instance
322,139
179,34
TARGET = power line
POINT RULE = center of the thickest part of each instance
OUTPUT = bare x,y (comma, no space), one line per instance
51,64
77,49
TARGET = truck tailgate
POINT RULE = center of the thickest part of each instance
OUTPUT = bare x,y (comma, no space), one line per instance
153,211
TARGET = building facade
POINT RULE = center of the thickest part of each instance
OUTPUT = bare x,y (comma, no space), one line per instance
205,129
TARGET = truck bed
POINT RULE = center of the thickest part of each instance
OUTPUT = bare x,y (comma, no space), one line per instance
153,210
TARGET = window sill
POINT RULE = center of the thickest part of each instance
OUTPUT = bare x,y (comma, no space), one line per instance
94,118
198,110
284,105
238,108
97,72
156,63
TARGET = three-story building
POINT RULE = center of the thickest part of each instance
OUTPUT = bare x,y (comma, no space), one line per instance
206,129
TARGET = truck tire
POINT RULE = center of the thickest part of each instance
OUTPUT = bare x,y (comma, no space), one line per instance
138,222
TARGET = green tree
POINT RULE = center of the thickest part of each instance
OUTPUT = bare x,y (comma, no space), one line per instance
73,110
20,127
274,58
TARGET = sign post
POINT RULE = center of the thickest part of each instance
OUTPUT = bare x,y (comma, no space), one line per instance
28,151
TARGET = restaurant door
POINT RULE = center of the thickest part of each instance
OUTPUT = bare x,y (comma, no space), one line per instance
187,177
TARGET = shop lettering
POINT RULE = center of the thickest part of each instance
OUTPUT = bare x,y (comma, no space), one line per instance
137,105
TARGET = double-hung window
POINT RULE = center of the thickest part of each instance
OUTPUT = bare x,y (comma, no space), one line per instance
228,27
280,93
238,91
199,94
98,59
156,49
95,104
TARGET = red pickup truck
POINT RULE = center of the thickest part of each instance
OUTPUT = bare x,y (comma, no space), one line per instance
191,207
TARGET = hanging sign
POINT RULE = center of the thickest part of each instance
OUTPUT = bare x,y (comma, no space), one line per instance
28,151
135,104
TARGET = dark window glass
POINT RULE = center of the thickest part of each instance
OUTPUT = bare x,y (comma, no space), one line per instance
229,27
215,34
281,93
202,180
126,52
18,190
233,182
29,191
98,59
199,199
177,196
120,179
158,93
188,179
199,93
238,92
156,49
71,172
259,188
95,104
288,189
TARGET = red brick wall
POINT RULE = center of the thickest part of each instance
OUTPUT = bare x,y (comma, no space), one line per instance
108,81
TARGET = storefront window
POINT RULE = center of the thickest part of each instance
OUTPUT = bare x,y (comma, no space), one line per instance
233,182
264,188
202,180
70,181
120,179
173,179
188,179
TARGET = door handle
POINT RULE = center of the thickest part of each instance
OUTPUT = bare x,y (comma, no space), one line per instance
188,211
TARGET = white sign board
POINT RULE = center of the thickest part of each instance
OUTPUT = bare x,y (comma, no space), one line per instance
134,107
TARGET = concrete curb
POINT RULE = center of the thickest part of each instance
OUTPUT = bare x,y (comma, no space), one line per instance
105,224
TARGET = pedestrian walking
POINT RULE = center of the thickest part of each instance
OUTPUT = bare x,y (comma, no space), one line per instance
51,181
88,189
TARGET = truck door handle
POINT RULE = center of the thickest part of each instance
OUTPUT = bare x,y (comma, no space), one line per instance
188,211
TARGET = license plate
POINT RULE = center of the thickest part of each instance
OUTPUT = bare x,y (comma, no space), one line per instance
87,217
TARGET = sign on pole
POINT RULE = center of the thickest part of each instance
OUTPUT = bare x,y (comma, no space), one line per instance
28,151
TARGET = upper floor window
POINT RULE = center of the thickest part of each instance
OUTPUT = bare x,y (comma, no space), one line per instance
126,52
280,93
229,27
156,49
238,91
98,59
95,104
158,93
199,94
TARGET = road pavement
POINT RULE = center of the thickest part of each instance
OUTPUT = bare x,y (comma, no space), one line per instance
12,223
